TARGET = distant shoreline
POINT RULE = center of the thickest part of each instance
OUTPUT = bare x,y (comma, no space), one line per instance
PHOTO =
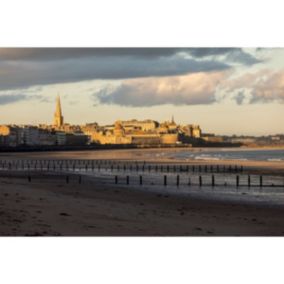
231,147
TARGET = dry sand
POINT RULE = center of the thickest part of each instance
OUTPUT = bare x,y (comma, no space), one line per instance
50,207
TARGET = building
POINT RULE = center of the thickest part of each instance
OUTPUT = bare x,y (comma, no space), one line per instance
58,120
144,132
144,125
11,135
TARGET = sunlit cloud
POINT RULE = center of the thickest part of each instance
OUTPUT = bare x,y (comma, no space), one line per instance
191,89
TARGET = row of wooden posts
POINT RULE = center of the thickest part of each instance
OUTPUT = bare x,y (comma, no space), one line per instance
52,165
165,181
200,179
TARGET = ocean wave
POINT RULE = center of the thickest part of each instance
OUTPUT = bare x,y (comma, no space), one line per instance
204,157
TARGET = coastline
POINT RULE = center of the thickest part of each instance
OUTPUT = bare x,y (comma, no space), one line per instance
49,206
53,208
154,156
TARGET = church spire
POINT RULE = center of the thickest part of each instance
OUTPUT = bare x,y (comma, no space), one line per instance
58,118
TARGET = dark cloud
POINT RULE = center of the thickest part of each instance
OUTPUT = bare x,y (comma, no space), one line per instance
38,54
241,57
237,55
25,67
25,74
41,54
206,51
13,98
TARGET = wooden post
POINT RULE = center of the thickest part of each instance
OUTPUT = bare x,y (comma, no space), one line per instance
165,180
237,181
29,178
140,180
189,181
67,179
260,181
177,180
213,180
248,181
200,180
80,179
127,180
116,179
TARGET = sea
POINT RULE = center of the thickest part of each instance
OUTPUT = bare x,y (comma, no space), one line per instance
272,155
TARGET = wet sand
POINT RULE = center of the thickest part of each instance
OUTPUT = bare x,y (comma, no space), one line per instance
153,156
50,207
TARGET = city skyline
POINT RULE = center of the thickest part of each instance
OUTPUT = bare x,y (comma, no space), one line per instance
225,90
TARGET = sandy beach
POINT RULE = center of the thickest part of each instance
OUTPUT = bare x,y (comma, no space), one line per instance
50,207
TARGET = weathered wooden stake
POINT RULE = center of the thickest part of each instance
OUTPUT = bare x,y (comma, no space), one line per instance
213,180
165,180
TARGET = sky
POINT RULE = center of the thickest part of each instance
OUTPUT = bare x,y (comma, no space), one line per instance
224,90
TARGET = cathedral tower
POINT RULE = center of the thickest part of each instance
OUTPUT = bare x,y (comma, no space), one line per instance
58,118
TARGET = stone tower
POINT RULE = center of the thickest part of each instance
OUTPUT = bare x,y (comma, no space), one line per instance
58,118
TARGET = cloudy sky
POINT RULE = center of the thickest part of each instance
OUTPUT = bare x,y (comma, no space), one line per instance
224,90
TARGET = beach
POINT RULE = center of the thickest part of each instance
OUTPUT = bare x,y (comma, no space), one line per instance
156,156
80,202
47,206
